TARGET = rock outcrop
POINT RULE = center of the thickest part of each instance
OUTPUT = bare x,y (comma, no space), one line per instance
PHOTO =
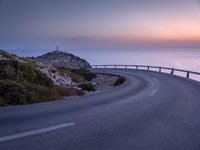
62,59
58,78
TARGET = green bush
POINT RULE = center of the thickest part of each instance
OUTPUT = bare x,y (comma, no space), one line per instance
74,76
77,75
67,91
120,80
7,55
13,93
2,102
87,87
23,83
87,74
20,71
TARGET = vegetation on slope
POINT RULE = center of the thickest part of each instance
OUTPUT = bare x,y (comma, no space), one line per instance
87,87
7,55
78,75
85,73
82,76
22,83
20,71
120,80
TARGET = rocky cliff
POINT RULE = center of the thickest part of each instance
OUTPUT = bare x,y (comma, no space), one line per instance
63,60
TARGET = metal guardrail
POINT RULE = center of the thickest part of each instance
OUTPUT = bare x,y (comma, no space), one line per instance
147,68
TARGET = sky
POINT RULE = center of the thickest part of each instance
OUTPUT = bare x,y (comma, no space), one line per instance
99,24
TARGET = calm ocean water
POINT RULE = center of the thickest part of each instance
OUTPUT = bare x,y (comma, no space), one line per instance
188,59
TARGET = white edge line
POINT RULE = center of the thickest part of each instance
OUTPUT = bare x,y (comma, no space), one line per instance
29,133
155,79
154,92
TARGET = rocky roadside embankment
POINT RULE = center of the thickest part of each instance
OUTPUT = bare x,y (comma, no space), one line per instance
29,80
50,62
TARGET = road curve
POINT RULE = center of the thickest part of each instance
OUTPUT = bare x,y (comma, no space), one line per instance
151,111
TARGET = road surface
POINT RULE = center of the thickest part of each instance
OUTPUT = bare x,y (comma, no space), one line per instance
151,111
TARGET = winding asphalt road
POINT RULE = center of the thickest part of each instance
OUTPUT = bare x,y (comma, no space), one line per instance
151,111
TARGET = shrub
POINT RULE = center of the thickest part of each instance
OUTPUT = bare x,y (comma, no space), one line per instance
2,102
87,74
13,93
120,80
19,71
77,75
74,91
67,91
87,87
74,76
7,55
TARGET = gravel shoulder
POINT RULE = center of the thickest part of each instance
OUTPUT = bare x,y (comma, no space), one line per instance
104,82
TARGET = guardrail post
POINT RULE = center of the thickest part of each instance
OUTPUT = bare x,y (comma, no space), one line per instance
125,66
136,67
148,68
160,69
105,66
188,75
172,72
115,66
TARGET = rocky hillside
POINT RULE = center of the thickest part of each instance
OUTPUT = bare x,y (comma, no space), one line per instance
32,80
65,77
22,82
62,59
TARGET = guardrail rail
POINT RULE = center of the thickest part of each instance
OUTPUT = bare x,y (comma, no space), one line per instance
148,68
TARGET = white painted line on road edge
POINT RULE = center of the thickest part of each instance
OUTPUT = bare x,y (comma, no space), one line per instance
155,80
29,133
154,92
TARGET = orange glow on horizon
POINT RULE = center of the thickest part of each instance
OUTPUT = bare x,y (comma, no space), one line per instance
181,31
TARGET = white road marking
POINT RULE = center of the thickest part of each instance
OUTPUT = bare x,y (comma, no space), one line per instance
155,80
153,92
29,133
